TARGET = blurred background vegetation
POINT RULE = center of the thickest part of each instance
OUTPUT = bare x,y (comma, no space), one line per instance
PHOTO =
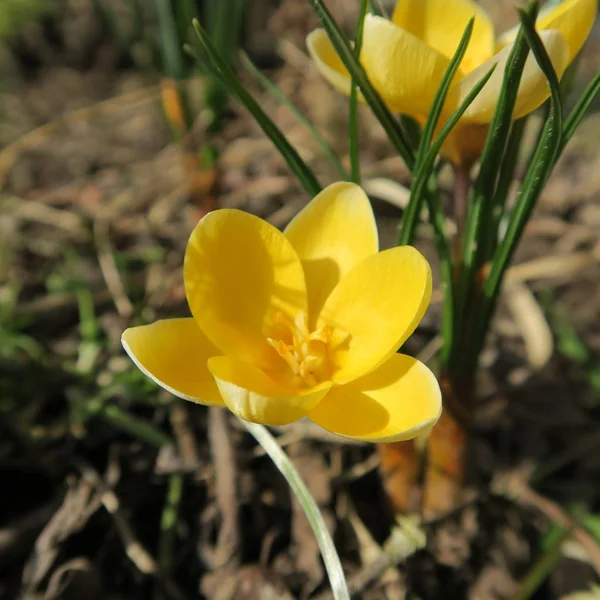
114,143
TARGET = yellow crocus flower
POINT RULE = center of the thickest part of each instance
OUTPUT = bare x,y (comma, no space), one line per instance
301,323
406,58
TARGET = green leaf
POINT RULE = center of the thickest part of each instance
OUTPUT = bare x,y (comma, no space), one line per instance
285,101
225,21
412,130
171,44
577,114
542,163
422,169
392,128
545,64
236,87
185,13
353,118
505,179
490,226
485,184
423,178
543,566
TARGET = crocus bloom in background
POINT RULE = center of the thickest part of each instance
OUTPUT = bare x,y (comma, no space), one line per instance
301,323
405,60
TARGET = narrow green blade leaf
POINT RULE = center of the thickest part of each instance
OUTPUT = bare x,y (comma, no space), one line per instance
505,178
436,215
283,99
380,110
577,114
440,97
353,109
545,64
235,86
225,20
171,44
185,13
413,210
485,184
543,161
491,224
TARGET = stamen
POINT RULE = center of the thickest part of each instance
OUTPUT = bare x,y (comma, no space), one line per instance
323,334
287,354
306,356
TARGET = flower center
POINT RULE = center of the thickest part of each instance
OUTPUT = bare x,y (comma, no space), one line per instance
307,354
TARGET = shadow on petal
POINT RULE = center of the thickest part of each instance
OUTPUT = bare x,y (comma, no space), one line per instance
397,401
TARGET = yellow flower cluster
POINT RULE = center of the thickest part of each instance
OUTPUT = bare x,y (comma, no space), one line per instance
304,323
307,322
406,58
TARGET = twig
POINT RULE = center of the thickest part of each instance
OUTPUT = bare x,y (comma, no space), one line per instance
184,435
405,540
541,568
37,212
9,154
516,487
531,322
138,555
136,552
168,525
547,267
221,446
109,270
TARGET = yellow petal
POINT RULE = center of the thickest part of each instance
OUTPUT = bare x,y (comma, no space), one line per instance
573,18
402,68
398,401
240,273
254,396
441,23
335,232
533,90
465,143
174,353
375,307
327,61
405,70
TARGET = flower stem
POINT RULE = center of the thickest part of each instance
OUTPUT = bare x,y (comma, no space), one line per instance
462,186
331,559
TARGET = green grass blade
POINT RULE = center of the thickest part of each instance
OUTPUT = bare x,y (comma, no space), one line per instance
426,163
413,210
543,566
330,556
543,161
489,237
354,143
172,53
582,106
372,97
442,93
235,86
185,13
505,179
436,214
412,130
485,184
285,101
225,21
545,63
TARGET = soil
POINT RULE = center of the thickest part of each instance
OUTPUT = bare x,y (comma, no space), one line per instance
111,489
